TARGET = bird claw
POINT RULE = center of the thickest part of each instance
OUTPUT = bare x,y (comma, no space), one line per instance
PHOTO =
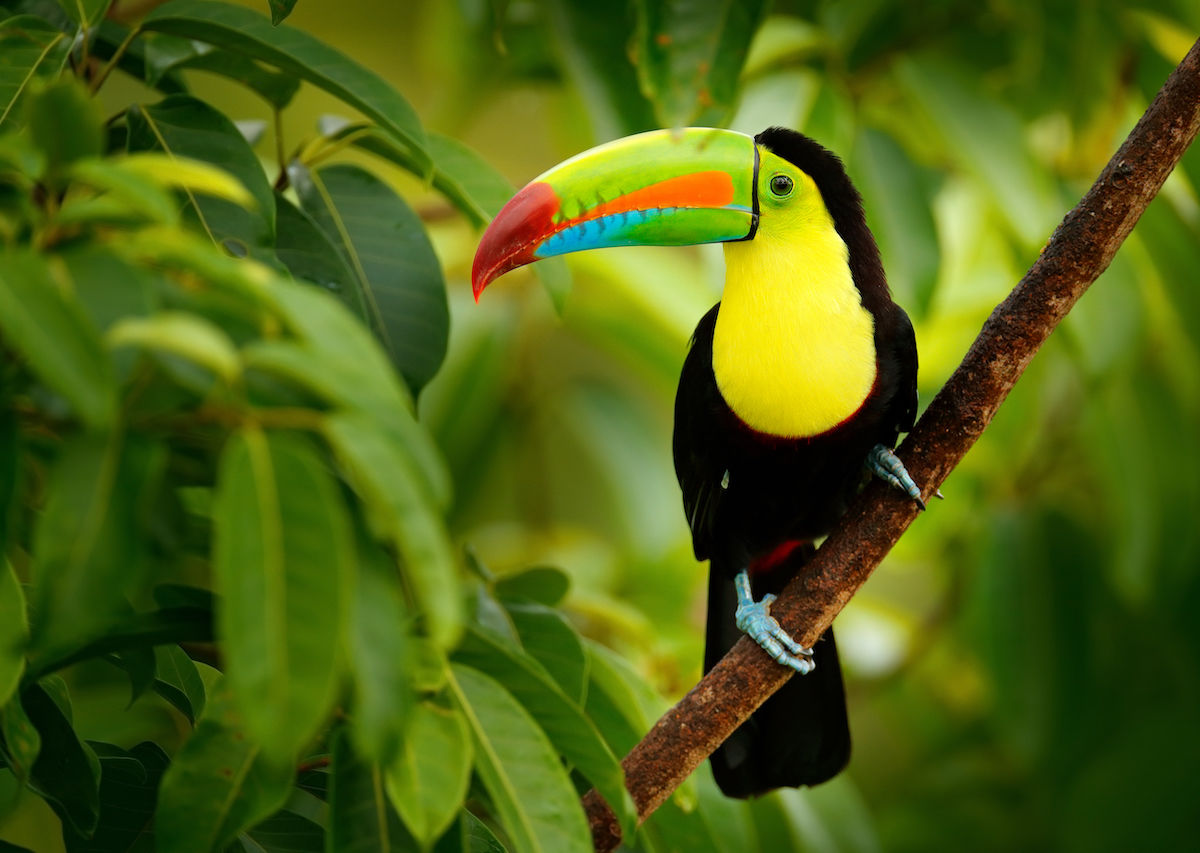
755,620
885,465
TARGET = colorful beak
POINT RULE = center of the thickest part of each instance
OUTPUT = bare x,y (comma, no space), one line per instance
662,188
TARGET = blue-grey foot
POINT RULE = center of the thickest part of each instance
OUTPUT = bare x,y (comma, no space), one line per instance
755,619
885,465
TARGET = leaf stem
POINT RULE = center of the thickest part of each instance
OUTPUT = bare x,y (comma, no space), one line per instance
134,32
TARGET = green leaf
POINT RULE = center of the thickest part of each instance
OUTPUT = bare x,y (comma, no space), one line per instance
620,704
338,358
401,511
184,334
90,543
184,127
550,639
899,208
397,273
544,584
128,788
167,55
21,740
284,832
108,287
361,820
282,551
136,58
593,50
65,124
560,718
469,835
464,177
381,654
428,781
138,664
219,784
308,254
30,48
85,13
280,9
67,772
988,140
460,173
14,631
52,333
178,681
126,194
242,31
169,625
690,56
534,799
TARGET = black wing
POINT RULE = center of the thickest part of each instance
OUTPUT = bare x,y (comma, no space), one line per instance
699,463
902,411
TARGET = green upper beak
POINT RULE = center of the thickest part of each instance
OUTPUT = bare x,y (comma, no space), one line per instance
662,188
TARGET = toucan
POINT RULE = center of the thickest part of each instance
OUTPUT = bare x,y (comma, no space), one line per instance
793,392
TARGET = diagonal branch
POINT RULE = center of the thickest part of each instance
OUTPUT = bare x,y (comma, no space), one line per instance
1080,249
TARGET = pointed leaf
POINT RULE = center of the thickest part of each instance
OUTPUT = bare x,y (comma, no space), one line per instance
14,631
128,788
67,772
184,127
169,625
178,681
562,719
361,820
138,664
218,785
338,360
428,781
30,48
167,55
280,9
126,194
550,639
243,31
534,799
310,255
385,245
180,333
282,550
460,173
690,57
544,584
51,331
381,654
401,512
284,832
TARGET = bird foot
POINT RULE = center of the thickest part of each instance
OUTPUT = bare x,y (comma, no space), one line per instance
885,465
755,619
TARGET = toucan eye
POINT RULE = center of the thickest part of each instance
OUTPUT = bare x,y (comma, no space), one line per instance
781,185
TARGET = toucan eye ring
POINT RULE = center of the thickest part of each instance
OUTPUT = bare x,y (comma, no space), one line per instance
781,186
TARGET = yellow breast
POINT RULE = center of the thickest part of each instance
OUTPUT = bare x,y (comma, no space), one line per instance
793,347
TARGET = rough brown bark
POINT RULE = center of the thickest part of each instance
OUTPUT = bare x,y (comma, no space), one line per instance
1080,249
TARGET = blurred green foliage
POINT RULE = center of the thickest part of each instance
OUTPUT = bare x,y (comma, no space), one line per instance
421,618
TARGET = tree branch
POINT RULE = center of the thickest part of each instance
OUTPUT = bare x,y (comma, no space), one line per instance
1080,249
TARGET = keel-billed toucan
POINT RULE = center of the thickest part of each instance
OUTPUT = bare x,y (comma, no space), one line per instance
796,384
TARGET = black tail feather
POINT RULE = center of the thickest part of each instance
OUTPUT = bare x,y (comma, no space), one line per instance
800,736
